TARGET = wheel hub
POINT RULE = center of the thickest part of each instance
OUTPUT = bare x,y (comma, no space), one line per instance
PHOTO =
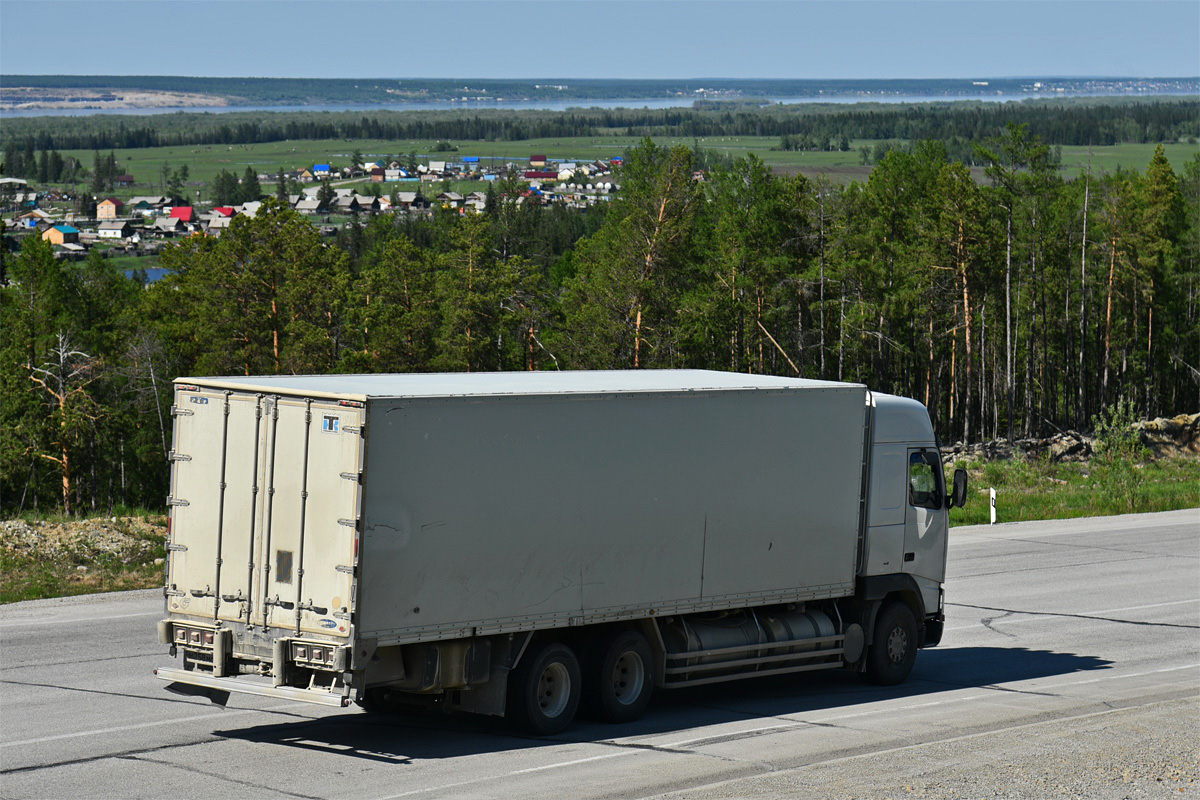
897,645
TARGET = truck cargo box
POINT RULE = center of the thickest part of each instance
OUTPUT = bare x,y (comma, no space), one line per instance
409,508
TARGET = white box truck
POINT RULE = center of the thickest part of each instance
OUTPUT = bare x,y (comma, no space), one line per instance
519,544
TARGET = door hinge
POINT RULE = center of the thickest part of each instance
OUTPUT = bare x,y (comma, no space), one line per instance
351,429
177,548
340,615
349,523
352,476
177,501
344,568
173,593
176,411
178,457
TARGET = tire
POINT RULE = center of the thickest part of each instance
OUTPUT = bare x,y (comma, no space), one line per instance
543,690
894,647
617,680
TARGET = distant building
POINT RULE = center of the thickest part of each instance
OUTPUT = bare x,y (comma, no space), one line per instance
147,204
321,171
61,234
183,213
123,180
378,174
114,229
109,208
537,161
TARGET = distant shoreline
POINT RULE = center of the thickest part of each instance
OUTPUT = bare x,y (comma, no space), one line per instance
126,108
84,95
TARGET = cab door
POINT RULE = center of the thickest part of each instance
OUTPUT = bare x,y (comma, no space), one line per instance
926,521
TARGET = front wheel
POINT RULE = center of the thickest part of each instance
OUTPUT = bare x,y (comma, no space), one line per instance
894,647
617,681
543,691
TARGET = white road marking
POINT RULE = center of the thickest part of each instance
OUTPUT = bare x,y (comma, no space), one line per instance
159,723
23,623
1040,616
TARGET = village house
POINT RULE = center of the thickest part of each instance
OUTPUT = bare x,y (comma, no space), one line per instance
109,208
114,229
61,234
168,226
217,225
123,180
450,199
146,205
378,174
537,161
346,205
32,218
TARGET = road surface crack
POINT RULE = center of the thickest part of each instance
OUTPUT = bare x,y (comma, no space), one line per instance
218,776
1009,611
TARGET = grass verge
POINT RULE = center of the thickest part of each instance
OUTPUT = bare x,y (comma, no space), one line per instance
1035,490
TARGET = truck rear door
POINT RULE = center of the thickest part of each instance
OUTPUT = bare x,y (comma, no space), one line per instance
265,496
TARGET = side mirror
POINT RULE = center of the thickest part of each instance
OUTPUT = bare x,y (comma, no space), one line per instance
958,497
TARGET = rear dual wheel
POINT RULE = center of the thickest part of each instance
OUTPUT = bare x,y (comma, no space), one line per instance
617,681
544,689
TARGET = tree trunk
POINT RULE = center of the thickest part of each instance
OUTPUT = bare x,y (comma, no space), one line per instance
1112,271
1081,377
1008,351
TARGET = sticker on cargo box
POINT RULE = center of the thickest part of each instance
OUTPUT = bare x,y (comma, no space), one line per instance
200,401
327,623
329,424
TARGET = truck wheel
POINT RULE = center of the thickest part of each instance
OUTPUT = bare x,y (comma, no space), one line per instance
543,691
894,649
617,684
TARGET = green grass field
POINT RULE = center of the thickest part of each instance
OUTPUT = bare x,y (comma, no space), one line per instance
204,162
1031,490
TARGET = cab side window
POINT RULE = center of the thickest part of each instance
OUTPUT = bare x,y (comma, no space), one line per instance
923,489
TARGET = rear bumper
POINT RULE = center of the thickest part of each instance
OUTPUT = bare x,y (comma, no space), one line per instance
246,684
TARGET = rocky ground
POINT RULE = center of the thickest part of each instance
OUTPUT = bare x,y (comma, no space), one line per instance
52,558
1164,438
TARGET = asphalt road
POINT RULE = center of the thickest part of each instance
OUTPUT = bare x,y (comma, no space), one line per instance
1070,668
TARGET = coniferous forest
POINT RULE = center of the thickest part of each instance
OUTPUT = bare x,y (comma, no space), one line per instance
1014,306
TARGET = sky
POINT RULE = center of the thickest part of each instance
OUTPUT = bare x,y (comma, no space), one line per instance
806,39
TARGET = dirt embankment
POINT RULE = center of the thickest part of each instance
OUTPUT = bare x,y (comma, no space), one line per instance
1165,438
50,559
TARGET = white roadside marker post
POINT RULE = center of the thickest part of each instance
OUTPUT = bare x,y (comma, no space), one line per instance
993,492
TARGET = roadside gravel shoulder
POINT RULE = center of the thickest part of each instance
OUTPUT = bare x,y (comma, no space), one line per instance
1150,751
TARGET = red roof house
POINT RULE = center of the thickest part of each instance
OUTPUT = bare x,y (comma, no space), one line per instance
224,211
183,213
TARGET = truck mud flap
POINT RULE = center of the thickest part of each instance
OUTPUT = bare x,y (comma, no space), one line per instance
182,681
